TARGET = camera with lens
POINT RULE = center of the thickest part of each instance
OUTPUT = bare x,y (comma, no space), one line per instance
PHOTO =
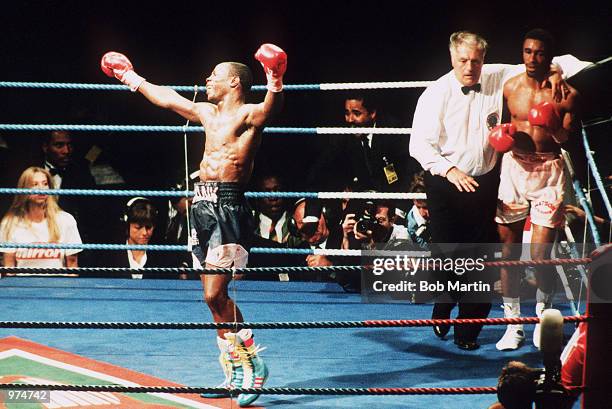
366,220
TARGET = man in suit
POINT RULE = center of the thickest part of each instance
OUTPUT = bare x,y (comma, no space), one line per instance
375,162
272,229
271,216
70,173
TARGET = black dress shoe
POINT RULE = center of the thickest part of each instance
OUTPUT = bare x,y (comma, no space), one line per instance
467,345
441,330
441,311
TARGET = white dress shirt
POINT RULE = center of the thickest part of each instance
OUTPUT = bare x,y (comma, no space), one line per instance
451,129
265,223
57,179
399,232
136,265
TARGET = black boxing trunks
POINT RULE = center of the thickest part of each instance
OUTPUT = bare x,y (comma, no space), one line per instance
221,225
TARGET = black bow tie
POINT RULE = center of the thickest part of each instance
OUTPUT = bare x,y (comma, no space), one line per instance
57,171
466,90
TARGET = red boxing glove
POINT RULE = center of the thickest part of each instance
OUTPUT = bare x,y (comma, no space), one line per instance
117,65
274,62
501,137
545,114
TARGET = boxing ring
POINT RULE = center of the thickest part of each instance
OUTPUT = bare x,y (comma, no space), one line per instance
326,348
339,365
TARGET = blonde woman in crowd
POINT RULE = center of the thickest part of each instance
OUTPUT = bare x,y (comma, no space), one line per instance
38,219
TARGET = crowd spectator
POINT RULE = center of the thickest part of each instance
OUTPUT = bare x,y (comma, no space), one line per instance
418,216
138,224
37,218
311,224
372,225
271,216
177,228
367,161
369,225
71,172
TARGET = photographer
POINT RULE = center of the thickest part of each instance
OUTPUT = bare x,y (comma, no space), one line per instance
371,225
367,226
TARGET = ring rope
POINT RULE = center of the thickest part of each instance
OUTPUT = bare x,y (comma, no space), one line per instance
277,325
177,128
232,392
586,206
275,250
596,174
188,88
247,270
186,163
96,246
248,195
244,270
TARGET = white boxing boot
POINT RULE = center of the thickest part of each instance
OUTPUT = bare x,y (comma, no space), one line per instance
514,335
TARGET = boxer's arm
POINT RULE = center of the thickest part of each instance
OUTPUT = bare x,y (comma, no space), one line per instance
263,112
167,98
117,65
274,62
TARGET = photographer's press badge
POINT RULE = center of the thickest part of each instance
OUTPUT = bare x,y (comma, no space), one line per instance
390,173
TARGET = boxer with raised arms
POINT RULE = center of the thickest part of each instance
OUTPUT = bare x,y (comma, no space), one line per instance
220,217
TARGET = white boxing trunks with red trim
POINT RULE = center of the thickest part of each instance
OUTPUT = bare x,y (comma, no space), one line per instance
531,184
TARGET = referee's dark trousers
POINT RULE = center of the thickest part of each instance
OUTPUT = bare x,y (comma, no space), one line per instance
463,217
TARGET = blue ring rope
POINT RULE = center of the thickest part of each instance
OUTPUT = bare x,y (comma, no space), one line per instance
183,129
588,211
95,246
148,247
138,128
183,193
111,192
190,88
121,87
596,174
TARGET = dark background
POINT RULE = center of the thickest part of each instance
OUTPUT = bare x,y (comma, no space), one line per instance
179,43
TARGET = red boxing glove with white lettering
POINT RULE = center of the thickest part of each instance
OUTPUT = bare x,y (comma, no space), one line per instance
501,137
274,62
545,114
119,66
